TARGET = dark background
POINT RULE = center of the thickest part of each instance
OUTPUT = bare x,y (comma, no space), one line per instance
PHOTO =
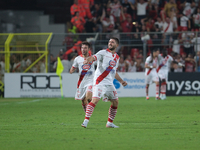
60,9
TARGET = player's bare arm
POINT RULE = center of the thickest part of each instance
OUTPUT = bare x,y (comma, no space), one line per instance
72,70
89,59
150,67
124,83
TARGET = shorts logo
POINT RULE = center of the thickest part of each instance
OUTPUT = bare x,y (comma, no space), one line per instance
86,66
112,63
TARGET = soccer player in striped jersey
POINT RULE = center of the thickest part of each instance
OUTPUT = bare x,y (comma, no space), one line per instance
86,75
107,64
165,61
151,75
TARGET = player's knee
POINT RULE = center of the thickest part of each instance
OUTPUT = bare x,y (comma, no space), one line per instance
84,101
95,100
163,80
88,99
115,102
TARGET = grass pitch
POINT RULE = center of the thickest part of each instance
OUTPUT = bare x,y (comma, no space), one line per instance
48,124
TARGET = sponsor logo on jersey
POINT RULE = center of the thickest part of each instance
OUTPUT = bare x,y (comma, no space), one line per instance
86,66
112,63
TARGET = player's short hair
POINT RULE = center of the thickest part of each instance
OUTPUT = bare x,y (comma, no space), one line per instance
116,39
156,49
86,43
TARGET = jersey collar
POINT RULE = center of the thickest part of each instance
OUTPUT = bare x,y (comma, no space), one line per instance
110,51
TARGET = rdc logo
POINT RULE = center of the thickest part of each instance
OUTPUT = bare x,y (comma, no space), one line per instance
116,84
112,63
86,66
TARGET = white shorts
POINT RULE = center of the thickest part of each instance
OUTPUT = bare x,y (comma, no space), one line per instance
108,92
152,77
163,75
81,92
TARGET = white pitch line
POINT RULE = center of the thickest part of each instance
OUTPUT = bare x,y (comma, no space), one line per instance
35,100
23,102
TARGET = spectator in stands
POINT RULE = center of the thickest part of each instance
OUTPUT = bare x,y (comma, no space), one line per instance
197,59
42,67
153,9
90,26
52,61
108,21
136,29
189,8
167,29
79,22
122,65
190,64
77,8
129,6
86,5
169,10
178,64
28,61
187,42
141,6
115,9
132,67
176,43
2,63
196,18
76,48
23,63
158,24
97,13
184,23
124,14
17,64
196,42
128,62
139,64
149,25
126,26
35,68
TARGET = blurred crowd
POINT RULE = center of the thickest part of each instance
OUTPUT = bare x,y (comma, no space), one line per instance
135,15
175,23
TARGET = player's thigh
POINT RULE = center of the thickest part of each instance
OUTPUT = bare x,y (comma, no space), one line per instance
80,93
89,92
110,93
148,79
97,92
166,77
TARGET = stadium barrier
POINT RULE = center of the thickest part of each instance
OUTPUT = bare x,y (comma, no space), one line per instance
183,84
26,45
47,85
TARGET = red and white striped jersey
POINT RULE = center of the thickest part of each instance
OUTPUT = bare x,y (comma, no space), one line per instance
86,72
149,62
164,63
107,64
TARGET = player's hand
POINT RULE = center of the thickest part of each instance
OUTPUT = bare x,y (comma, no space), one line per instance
85,62
124,83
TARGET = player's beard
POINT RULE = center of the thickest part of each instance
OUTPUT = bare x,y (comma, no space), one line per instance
112,48
85,53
